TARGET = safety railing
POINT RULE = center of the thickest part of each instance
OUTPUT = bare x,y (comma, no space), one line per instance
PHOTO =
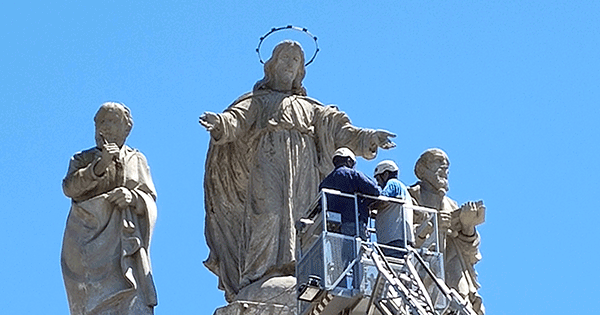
332,231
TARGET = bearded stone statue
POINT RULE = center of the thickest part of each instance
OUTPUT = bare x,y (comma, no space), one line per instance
457,233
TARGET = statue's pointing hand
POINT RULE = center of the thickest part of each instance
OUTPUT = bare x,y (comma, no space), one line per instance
209,120
383,138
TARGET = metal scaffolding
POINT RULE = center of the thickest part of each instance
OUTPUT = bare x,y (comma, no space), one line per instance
341,270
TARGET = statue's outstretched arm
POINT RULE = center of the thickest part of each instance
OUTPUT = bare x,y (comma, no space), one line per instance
229,125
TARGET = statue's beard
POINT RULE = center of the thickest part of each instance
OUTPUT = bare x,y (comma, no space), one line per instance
441,184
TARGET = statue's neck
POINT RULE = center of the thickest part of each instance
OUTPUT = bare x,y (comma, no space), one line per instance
281,86
432,191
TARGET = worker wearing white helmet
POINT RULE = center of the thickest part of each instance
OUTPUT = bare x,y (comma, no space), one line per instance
387,165
394,221
344,156
347,179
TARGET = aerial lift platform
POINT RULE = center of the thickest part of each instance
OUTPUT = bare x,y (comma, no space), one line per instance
340,271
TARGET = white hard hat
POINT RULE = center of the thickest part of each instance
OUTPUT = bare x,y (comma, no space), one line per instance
345,152
387,165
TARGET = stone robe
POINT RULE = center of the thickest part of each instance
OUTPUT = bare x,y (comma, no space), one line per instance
461,252
267,155
105,255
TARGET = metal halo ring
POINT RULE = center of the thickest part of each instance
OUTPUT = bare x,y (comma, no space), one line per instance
289,27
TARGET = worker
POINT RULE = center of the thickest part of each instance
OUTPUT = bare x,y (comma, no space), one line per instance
345,178
394,221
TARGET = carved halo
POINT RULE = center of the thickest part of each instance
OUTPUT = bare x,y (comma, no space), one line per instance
289,27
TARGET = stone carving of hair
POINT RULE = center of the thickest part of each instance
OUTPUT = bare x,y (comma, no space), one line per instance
120,108
425,158
269,68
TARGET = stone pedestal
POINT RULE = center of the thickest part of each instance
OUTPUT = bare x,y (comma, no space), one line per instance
254,308
271,295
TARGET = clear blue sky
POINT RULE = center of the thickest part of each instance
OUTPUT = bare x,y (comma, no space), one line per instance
509,89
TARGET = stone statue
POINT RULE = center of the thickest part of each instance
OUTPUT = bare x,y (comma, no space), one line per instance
105,256
458,236
269,151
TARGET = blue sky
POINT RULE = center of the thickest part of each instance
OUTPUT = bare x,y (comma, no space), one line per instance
510,90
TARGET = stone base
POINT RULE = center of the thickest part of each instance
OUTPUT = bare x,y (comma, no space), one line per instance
270,295
254,308
275,290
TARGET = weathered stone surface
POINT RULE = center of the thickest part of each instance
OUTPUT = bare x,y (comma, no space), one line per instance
268,153
254,308
105,255
457,224
278,290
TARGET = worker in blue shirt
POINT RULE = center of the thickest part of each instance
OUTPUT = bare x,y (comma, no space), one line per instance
347,179
394,221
